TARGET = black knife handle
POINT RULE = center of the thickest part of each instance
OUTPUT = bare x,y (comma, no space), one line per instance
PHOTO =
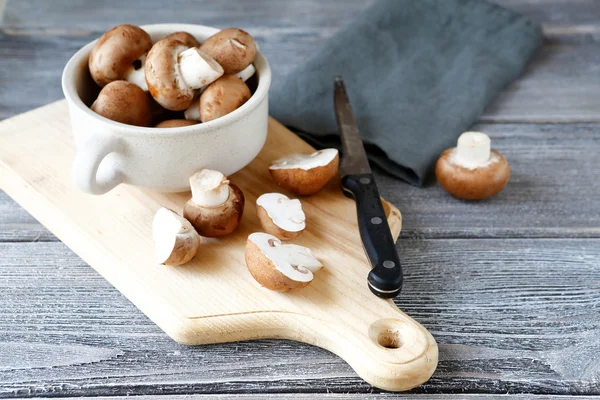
385,278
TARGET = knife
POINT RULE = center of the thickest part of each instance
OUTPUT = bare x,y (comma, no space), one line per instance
385,278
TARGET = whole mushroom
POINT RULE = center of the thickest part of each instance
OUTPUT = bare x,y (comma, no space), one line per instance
221,97
471,170
280,216
185,38
277,266
216,206
124,102
193,111
174,72
120,54
175,123
306,174
233,48
175,238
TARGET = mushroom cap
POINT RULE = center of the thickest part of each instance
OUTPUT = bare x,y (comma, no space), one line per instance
233,48
114,54
220,220
185,38
124,102
175,123
304,180
223,96
162,76
280,216
472,184
265,270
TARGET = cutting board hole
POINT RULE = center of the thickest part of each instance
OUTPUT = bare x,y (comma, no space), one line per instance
390,340
386,333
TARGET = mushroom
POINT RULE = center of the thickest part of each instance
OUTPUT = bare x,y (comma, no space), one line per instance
233,48
216,206
120,54
277,266
185,38
175,123
175,238
193,111
280,216
174,72
306,174
471,170
124,102
221,97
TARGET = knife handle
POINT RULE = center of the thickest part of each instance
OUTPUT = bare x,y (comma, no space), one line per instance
385,278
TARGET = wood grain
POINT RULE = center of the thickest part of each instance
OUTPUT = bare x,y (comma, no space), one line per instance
511,316
545,340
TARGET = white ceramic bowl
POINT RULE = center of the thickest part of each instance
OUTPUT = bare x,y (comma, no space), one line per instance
110,153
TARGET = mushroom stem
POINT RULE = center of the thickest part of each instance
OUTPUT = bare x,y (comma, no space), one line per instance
198,69
209,188
192,113
138,76
246,73
473,150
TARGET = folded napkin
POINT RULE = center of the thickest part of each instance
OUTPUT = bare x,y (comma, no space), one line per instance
418,74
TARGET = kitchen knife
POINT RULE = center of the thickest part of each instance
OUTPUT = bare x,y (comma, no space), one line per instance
385,278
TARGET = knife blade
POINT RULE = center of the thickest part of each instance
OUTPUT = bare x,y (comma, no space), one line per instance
358,183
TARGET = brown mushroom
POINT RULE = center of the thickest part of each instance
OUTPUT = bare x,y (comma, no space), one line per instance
119,54
233,48
174,72
471,170
175,123
124,102
306,174
280,216
216,206
223,96
185,38
175,239
277,266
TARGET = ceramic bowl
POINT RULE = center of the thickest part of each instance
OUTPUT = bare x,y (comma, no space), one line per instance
109,153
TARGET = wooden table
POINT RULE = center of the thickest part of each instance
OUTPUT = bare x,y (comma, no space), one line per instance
509,287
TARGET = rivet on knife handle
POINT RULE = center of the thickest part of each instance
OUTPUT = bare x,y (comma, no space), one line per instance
385,278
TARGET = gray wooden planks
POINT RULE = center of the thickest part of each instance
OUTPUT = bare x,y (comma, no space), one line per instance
553,192
336,396
512,315
518,316
38,38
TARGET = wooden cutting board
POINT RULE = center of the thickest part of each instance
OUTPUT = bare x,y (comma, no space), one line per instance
214,298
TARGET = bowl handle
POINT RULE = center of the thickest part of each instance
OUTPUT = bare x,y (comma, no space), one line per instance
89,174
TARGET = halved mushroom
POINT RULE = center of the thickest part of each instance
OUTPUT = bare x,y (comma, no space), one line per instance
174,72
175,123
223,96
233,48
120,54
280,216
277,266
175,238
185,38
471,170
216,206
124,102
306,174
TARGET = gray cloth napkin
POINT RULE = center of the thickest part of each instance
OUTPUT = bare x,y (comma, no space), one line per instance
418,73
